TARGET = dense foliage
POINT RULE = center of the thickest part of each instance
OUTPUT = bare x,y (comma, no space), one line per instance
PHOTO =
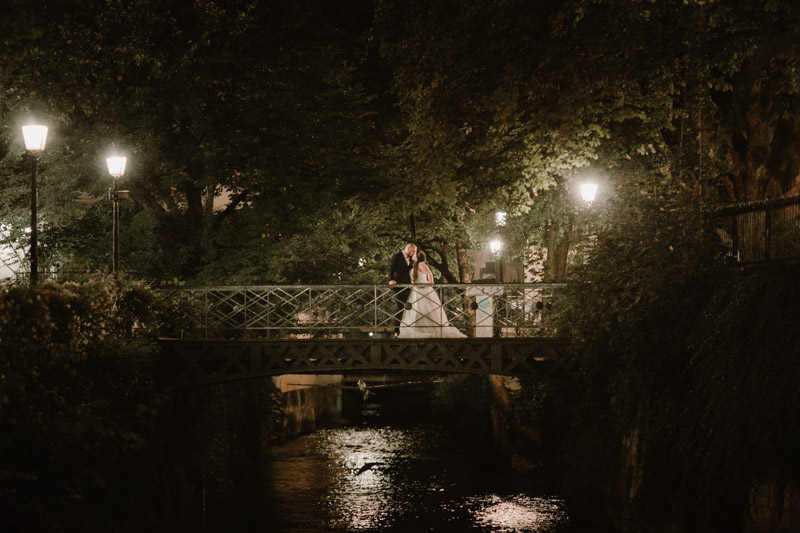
77,403
628,322
88,442
740,424
304,142
688,373
246,124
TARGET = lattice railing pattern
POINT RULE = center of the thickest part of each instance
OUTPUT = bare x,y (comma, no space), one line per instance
350,311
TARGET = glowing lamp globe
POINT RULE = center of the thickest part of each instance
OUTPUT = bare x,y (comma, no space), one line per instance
588,192
116,165
35,137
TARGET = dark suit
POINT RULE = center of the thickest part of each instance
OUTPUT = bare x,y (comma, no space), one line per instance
400,271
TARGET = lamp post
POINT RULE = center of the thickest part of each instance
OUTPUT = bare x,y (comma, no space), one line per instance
35,137
116,167
495,246
588,193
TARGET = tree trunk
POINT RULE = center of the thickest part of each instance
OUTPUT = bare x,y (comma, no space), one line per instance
465,274
195,226
464,268
194,201
763,152
759,138
555,265
442,264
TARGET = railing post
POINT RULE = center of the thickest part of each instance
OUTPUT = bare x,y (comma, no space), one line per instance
269,315
205,320
485,308
180,306
245,313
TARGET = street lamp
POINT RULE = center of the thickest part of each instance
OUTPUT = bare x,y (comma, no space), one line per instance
116,167
35,137
500,218
588,192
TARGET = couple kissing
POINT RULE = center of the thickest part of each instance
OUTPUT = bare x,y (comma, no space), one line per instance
423,315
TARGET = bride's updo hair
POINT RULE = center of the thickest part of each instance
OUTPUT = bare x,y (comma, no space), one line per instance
415,270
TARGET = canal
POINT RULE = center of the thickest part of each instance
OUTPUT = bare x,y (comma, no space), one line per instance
391,474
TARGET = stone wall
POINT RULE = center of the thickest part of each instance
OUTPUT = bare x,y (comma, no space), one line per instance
773,509
311,401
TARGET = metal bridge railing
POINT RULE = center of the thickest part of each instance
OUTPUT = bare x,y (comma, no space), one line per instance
349,311
761,231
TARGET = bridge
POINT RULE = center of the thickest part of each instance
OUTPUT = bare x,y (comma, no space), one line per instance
218,334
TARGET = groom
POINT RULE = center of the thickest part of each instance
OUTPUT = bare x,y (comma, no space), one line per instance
400,273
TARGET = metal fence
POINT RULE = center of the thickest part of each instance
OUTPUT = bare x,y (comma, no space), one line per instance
349,311
761,231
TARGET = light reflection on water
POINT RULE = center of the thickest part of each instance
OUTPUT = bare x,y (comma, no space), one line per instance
400,479
518,513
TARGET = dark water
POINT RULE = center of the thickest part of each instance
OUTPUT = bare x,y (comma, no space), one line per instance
401,478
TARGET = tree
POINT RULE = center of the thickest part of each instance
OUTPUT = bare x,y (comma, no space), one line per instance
536,92
212,100
417,122
16,33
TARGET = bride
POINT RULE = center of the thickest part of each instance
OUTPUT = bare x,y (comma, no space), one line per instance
424,317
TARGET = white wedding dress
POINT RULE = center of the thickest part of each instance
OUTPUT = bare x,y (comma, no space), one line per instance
426,318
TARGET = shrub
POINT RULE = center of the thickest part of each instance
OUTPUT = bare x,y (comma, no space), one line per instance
76,404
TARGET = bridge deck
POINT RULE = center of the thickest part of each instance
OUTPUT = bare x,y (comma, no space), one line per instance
187,363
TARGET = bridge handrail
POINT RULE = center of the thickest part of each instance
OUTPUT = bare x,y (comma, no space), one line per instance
543,285
349,311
